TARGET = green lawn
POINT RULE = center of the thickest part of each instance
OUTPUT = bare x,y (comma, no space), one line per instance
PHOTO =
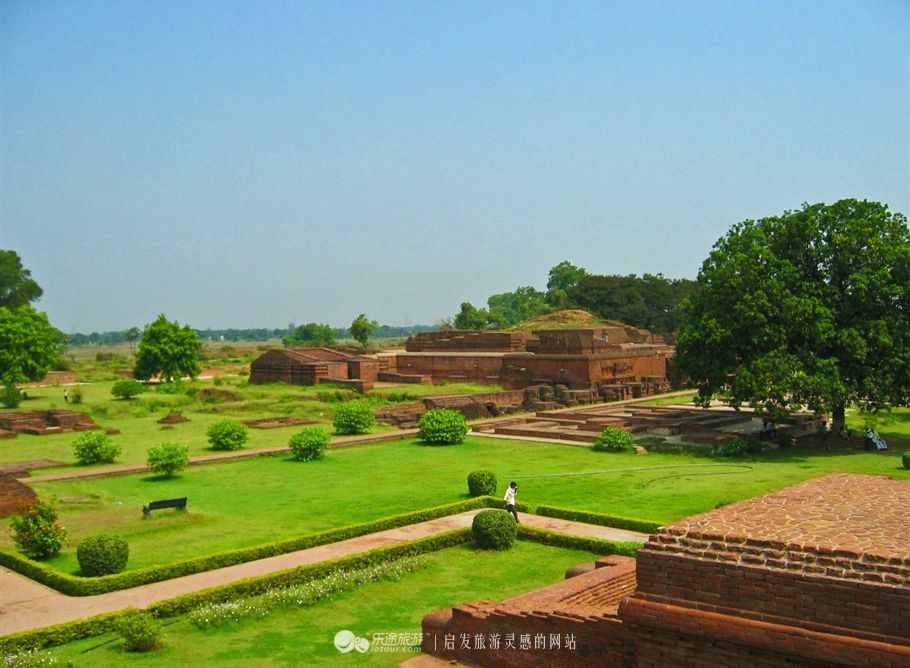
304,637
259,500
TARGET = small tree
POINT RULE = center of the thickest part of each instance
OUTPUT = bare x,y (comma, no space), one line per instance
168,458
95,447
10,396
17,287
29,345
613,439
309,444
442,426
310,334
36,532
168,349
227,435
127,389
353,417
362,329
139,630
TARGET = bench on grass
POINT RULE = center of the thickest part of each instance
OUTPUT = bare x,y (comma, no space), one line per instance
179,504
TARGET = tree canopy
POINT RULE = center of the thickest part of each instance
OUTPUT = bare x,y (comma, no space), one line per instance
310,334
562,278
362,328
29,345
471,317
809,308
169,349
507,309
17,287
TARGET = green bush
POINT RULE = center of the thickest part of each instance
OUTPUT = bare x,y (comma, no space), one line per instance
905,459
494,530
37,533
481,483
615,521
353,417
309,444
739,447
227,435
31,659
127,389
10,396
442,426
140,632
168,458
613,439
102,554
95,447
75,396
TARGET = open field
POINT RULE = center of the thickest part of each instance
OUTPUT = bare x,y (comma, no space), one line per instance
304,636
284,499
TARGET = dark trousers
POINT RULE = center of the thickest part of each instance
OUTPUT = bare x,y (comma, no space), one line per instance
510,507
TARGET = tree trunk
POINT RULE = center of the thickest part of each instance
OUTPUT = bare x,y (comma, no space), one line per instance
838,419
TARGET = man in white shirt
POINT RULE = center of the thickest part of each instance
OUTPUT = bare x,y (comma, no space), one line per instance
510,499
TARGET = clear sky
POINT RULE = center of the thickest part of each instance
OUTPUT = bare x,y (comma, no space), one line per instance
237,163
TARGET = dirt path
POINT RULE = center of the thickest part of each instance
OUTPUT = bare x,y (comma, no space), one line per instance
26,605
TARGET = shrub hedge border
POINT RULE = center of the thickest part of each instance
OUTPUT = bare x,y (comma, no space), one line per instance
82,586
596,545
615,521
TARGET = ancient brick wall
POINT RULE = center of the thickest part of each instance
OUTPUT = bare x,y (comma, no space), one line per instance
466,341
482,368
364,369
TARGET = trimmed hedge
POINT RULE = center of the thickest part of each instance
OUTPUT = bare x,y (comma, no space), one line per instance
494,530
595,545
615,521
481,483
905,459
102,554
80,586
442,426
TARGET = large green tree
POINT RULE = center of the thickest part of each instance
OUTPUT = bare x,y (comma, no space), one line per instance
562,278
809,308
310,334
510,308
362,328
168,349
17,287
471,317
29,345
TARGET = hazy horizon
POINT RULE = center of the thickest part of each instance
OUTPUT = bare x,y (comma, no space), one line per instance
248,165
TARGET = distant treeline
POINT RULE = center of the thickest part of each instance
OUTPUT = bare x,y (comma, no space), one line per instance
257,334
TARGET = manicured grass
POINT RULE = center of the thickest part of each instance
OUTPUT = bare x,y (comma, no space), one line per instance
304,637
681,399
261,500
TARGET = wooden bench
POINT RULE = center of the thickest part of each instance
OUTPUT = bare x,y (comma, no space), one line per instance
179,504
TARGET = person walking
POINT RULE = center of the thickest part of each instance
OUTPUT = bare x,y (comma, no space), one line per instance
510,500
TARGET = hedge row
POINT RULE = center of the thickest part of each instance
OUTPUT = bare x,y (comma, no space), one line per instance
51,636
615,521
79,586
595,545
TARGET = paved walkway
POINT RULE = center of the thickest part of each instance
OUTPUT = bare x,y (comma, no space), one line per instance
26,605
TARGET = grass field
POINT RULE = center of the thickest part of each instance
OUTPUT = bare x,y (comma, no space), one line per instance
281,498
303,637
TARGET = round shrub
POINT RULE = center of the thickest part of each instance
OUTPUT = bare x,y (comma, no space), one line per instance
36,532
102,555
227,435
95,447
76,396
309,444
442,426
613,439
481,483
168,458
10,396
140,632
905,458
353,417
494,530
127,389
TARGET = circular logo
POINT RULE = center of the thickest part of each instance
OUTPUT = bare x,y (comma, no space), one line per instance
344,641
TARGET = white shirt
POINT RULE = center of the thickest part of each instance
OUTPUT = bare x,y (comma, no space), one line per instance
510,496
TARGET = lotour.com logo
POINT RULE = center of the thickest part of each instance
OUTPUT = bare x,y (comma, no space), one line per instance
346,641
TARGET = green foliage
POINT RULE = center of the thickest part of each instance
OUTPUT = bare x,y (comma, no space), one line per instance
227,435
10,396
17,287
29,345
168,458
335,396
596,545
471,317
310,334
363,328
168,349
442,426
354,417
31,659
905,460
481,483
510,308
613,439
309,444
127,389
562,278
494,530
36,532
738,447
650,301
102,554
95,447
809,308
615,521
140,631
75,396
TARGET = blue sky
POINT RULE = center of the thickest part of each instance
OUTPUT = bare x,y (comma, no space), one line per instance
233,163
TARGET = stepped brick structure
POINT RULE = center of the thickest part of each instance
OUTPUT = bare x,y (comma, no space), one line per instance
815,575
41,423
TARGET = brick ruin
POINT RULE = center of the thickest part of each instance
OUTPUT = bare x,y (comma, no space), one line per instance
614,361
814,575
41,423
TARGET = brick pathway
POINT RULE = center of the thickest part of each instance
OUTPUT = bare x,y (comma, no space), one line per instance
26,605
